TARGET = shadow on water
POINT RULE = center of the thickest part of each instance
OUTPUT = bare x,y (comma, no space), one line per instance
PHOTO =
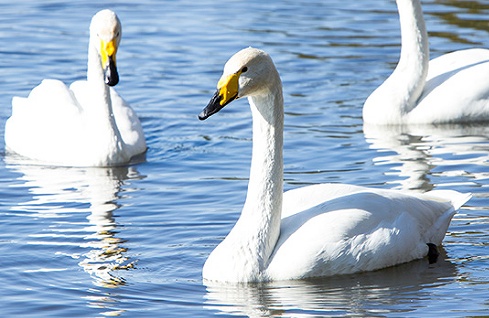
365,294
62,196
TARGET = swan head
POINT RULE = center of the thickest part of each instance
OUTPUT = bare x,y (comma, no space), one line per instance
247,73
105,30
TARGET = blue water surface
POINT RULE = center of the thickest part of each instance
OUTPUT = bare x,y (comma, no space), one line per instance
131,241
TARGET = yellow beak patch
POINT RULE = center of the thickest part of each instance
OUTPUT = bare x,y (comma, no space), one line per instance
107,49
228,87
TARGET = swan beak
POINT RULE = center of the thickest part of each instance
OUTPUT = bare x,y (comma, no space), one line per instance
108,51
227,91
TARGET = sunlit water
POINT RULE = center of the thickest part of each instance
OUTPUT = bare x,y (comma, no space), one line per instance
131,241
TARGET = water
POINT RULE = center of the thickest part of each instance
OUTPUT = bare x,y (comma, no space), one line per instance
131,241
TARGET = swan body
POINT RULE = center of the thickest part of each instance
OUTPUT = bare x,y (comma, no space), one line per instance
86,124
452,88
318,230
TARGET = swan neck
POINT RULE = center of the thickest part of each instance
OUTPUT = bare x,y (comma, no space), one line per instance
392,102
414,59
95,72
244,254
101,105
98,109
255,234
263,205
265,186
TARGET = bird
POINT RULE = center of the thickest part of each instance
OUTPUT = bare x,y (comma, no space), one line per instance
86,124
452,88
317,230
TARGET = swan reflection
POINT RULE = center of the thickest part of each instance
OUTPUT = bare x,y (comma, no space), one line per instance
363,294
418,153
61,193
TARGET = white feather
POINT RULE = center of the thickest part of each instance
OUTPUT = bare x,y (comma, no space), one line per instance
452,88
319,230
88,124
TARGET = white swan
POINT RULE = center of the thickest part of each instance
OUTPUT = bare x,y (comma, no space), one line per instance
453,88
88,124
318,230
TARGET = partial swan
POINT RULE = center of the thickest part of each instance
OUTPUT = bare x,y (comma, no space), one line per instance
452,88
318,230
87,124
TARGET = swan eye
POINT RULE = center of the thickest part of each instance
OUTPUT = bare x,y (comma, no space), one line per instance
244,69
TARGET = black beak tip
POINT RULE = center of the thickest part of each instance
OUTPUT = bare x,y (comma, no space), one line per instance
203,115
111,74
112,81
111,77
213,107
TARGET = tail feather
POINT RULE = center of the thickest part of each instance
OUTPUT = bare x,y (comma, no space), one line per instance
440,227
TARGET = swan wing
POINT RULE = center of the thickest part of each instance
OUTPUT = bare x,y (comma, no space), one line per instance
38,119
356,229
456,60
128,123
456,90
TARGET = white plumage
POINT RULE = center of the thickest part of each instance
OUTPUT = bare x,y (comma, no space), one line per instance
87,124
452,88
318,230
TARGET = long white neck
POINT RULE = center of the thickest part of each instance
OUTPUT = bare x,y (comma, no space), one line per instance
245,252
415,55
97,109
398,95
263,205
96,80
